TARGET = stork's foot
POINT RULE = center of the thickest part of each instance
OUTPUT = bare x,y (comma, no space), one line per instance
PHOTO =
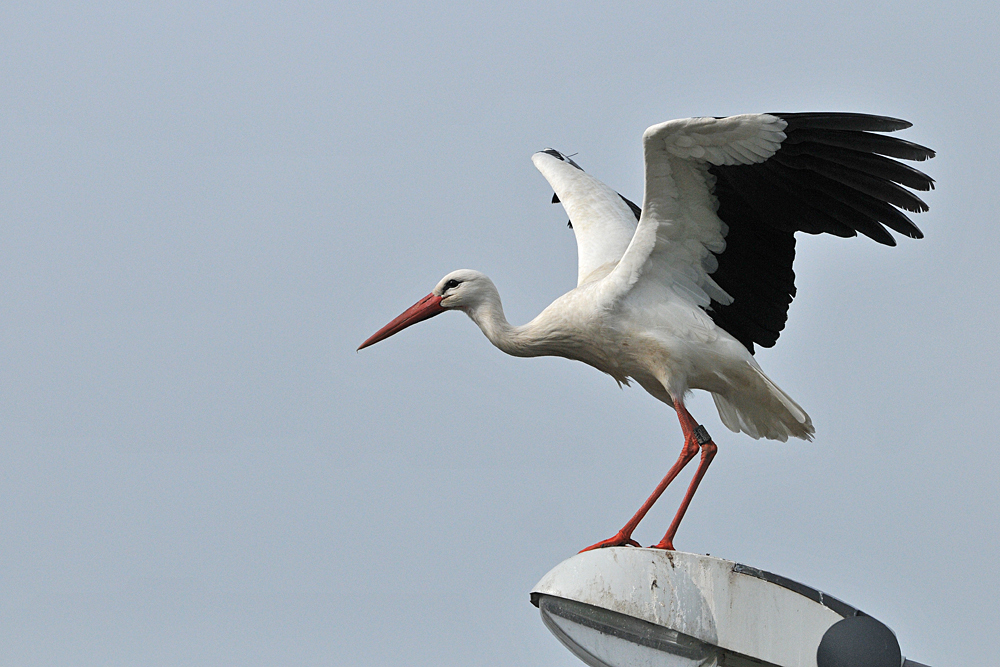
664,544
619,540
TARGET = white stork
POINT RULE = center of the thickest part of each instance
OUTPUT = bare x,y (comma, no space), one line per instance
676,295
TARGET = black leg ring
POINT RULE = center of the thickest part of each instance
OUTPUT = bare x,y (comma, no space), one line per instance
701,435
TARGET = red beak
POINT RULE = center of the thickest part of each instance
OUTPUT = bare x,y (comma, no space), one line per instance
424,309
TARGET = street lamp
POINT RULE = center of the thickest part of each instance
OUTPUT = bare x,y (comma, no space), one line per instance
633,607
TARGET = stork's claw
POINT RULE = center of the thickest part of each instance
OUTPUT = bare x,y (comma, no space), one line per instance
664,544
619,540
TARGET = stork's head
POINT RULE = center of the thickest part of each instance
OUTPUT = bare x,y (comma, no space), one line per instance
459,290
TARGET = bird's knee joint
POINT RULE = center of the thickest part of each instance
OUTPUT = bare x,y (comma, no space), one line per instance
690,449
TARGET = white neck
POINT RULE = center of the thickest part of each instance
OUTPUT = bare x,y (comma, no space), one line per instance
546,335
528,340
488,315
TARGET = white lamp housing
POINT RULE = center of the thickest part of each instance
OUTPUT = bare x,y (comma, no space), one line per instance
633,607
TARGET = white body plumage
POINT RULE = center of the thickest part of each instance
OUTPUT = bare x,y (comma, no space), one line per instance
637,310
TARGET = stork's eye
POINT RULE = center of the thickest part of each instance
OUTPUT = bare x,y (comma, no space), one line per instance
451,283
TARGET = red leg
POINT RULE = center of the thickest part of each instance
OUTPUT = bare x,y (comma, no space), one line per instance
688,426
708,449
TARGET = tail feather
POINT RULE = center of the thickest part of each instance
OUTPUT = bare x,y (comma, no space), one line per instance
761,409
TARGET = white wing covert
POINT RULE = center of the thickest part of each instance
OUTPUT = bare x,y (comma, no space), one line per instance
679,230
602,222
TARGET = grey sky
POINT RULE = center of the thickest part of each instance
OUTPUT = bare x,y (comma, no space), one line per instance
205,209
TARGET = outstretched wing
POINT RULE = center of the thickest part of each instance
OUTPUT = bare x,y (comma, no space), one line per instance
724,197
602,220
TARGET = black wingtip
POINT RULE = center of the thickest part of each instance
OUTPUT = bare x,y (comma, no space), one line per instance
565,158
843,121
